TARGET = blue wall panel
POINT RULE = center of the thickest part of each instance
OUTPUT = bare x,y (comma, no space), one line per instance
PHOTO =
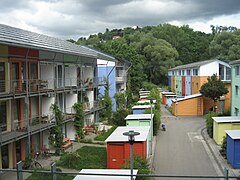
188,86
104,72
138,111
233,152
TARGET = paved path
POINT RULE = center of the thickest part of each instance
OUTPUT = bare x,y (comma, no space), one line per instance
181,150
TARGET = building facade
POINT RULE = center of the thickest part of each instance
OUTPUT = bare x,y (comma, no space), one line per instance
235,71
36,72
187,80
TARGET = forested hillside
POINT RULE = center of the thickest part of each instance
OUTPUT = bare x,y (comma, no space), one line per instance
152,50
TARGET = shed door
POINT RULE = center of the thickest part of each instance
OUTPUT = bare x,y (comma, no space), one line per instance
116,156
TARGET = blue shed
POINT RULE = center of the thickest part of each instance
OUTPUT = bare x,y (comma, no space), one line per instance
140,109
233,148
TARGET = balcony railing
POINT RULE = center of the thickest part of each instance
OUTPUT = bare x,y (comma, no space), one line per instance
121,79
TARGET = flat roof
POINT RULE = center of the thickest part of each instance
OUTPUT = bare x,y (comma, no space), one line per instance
226,119
117,135
143,96
168,93
139,116
145,101
105,171
234,134
142,106
187,97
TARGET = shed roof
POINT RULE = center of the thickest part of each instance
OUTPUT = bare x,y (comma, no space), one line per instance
234,134
196,64
105,171
146,101
187,97
170,95
139,116
164,93
117,135
142,106
226,119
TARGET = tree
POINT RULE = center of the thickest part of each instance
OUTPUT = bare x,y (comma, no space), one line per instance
213,89
79,121
56,135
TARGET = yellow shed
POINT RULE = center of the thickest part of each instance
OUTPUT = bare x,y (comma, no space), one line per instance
191,105
220,124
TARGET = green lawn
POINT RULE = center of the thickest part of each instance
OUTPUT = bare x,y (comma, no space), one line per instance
87,157
36,176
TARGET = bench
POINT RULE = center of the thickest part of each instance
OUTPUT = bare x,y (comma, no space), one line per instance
66,143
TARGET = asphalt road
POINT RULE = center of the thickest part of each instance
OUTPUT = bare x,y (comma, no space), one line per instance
180,150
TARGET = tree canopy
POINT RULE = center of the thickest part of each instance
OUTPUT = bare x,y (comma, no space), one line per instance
152,50
214,88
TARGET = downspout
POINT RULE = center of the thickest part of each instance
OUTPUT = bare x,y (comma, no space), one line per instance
27,103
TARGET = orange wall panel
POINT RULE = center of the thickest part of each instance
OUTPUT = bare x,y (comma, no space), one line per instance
227,105
188,107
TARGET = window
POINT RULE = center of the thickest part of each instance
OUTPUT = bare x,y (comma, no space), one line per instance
188,72
183,73
195,72
173,73
236,89
3,112
179,72
237,71
236,111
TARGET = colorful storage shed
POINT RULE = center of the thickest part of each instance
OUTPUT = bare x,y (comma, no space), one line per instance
118,147
233,148
169,98
164,100
188,106
220,124
140,109
104,174
145,101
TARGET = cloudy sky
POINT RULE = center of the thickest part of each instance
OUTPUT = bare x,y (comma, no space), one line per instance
75,18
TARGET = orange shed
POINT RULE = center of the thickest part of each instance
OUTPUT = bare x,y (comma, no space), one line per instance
191,105
118,147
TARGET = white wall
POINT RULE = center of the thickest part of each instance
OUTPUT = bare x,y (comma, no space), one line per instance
71,75
46,105
71,99
47,73
71,131
90,96
209,69
89,119
87,72
45,135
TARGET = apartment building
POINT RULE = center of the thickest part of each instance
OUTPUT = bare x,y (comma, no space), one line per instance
37,71
187,80
235,71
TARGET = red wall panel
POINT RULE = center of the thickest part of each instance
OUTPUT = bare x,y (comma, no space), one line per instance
183,85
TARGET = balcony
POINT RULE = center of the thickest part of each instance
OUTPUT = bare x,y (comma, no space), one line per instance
89,107
121,79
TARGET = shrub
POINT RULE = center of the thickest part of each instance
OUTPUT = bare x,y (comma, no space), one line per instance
140,164
103,136
223,150
209,122
119,116
156,119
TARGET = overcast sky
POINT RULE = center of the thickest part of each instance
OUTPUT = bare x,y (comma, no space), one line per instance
75,18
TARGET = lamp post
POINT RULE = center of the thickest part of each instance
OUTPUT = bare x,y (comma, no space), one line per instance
131,138
151,102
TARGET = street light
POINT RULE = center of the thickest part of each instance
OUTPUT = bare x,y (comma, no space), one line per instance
151,102
131,138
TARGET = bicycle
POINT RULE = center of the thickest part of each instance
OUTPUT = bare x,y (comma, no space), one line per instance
32,163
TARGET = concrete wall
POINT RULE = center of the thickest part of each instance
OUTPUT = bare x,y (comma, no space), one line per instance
46,105
71,99
71,75
47,73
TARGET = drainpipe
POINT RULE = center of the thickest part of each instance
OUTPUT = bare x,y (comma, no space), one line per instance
27,103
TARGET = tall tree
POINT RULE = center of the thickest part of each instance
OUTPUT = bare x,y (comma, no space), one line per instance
214,89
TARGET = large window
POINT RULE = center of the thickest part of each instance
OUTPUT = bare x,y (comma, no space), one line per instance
237,70
195,72
188,72
3,113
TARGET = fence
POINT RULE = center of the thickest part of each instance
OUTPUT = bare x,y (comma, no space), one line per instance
53,173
